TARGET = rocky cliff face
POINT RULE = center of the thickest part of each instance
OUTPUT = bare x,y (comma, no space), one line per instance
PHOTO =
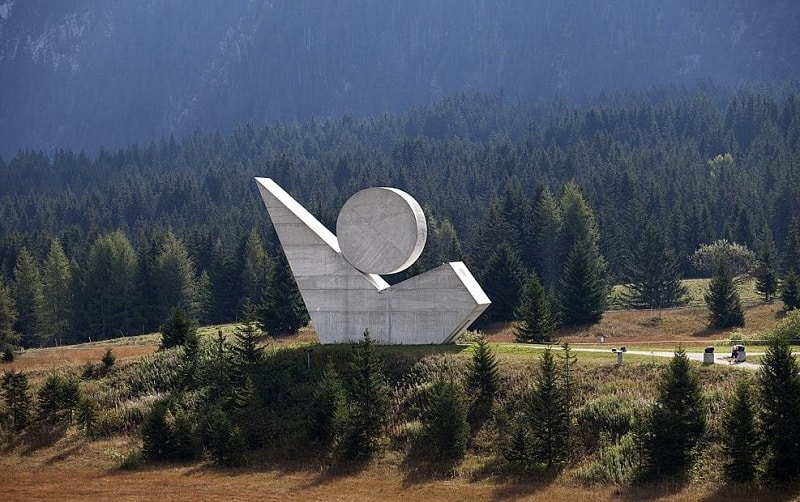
86,73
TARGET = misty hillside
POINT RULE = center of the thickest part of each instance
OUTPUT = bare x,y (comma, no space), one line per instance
79,74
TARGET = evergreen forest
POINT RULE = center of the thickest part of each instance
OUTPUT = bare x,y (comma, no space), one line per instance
111,244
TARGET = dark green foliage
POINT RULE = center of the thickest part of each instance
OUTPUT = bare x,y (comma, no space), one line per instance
676,422
766,272
483,382
361,422
739,437
86,416
156,433
722,298
246,350
169,433
17,398
107,302
779,413
652,272
58,296
535,318
282,311
108,359
328,399
547,410
27,289
790,291
177,329
444,420
540,433
582,296
58,398
8,354
8,316
502,279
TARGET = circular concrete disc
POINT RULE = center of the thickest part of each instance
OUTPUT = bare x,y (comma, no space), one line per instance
381,230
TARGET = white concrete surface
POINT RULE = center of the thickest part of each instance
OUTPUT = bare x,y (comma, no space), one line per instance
381,230
433,307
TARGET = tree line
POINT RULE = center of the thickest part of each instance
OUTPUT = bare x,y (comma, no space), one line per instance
583,195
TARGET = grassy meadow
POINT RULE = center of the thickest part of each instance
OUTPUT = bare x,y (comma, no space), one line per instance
77,467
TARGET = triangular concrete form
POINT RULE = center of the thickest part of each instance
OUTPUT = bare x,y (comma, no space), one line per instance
343,302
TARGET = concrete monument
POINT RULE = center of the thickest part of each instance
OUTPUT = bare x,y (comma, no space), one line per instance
380,231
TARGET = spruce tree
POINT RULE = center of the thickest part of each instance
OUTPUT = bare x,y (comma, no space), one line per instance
546,252
502,279
536,323
444,420
652,272
582,296
27,290
17,398
177,329
739,437
790,291
327,400
246,350
766,271
57,296
779,413
483,381
282,311
722,298
8,316
361,422
547,416
676,422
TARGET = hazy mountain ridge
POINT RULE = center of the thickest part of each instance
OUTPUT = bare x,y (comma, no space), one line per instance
85,73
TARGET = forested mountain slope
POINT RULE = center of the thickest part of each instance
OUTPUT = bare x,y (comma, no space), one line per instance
81,74
698,166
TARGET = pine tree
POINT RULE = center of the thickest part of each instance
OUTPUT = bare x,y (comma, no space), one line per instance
27,290
175,279
722,298
739,437
779,413
328,399
652,272
246,350
547,416
483,381
8,316
362,422
766,272
57,296
790,291
502,279
582,296
676,422
108,300
545,230
444,420
536,323
282,311
177,329
255,265
17,398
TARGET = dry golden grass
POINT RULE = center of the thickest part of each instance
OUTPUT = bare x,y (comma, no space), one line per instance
75,468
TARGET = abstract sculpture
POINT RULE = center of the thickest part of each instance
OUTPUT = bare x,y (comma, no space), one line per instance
380,231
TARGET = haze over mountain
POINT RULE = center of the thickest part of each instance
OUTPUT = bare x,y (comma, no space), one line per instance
81,74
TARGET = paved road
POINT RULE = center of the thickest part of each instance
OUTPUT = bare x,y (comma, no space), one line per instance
719,358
